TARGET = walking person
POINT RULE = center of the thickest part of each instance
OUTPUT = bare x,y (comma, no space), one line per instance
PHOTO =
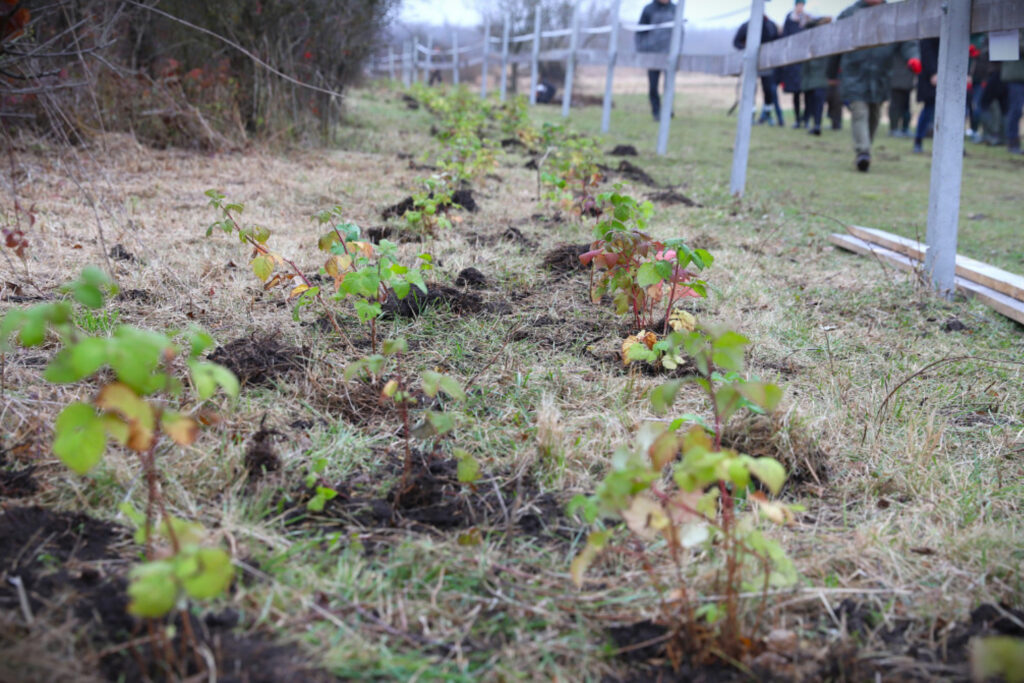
864,83
902,82
926,81
814,83
655,40
789,76
1012,74
769,32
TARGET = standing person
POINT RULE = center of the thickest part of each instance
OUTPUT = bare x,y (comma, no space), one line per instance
926,81
865,83
835,104
902,80
789,76
769,32
655,40
814,83
1012,74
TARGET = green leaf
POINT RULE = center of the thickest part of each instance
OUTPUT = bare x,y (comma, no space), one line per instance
769,471
762,394
88,356
392,346
212,574
728,350
728,400
262,267
80,437
33,328
208,376
664,395
152,590
468,468
647,275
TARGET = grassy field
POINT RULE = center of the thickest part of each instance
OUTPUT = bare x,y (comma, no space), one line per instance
903,414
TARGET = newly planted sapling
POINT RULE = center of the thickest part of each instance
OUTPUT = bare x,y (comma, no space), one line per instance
431,207
574,177
137,406
264,262
397,389
710,502
639,271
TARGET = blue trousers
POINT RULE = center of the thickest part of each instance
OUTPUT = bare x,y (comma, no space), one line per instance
924,121
1015,90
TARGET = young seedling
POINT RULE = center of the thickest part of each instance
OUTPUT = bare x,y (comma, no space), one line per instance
700,505
135,371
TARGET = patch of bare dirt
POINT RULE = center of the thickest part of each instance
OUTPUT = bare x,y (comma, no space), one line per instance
259,359
565,258
670,197
778,436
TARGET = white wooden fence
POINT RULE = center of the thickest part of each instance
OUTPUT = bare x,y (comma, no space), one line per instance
951,20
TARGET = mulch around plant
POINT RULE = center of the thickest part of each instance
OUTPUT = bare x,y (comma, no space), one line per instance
259,359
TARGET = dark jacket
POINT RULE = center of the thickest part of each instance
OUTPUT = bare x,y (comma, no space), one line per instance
901,77
660,39
929,67
789,76
812,74
1013,72
864,74
769,32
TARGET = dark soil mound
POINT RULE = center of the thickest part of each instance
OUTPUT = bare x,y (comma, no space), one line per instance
471,277
623,151
15,482
635,173
410,102
508,143
261,457
437,296
258,359
672,197
565,258
462,197
531,165
375,235
119,253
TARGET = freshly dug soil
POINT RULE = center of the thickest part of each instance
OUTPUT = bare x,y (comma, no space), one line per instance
672,197
261,457
779,436
375,235
437,296
471,277
565,258
623,151
16,482
259,359
635,173
463,197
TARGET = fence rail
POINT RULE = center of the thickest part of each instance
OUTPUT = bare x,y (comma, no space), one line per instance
951,20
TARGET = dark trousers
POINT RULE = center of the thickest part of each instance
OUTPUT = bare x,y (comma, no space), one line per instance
653,78
796,107
899,109
814,105
769,89
835,106
1015,91
924,121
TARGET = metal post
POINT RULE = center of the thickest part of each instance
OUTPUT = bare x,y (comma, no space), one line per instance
483,64
429,60
391,63
948,147
455,57
741,148
668,102
504,58
570,64
613,56
534,54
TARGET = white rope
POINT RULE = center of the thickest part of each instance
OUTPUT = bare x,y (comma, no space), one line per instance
521,39
557,33
641,28
597,30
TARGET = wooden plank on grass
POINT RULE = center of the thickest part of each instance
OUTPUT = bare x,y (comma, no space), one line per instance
1001,303
998,279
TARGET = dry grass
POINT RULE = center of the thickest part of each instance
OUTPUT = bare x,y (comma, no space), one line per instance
913,514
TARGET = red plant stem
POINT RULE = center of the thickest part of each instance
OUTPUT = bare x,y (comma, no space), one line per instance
668,309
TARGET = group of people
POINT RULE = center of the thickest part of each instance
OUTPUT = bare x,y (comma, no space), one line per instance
865,79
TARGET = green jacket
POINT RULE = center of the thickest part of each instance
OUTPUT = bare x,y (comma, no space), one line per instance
812,74
1013,72
865,74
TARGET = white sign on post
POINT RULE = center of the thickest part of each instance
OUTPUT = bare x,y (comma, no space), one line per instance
1004,46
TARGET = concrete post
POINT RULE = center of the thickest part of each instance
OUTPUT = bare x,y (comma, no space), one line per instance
483,64
613,55
504,58
406,64
391,63
570,65
429,60
534,53
455,57
668,101
948,148
741,148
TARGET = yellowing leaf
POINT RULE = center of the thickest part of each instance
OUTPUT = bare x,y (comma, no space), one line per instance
681,321
135,411
626,344
595,543
389,389
645,517
299,289
182,430
262,267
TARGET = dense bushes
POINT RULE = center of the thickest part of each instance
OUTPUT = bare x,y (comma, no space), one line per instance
170,75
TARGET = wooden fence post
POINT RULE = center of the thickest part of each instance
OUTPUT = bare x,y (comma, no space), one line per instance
668,101
741,148
455,56
535,52
504,58
570,63
948,148
483,64
613,56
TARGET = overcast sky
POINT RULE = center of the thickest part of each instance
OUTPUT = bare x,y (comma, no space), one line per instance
711,13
